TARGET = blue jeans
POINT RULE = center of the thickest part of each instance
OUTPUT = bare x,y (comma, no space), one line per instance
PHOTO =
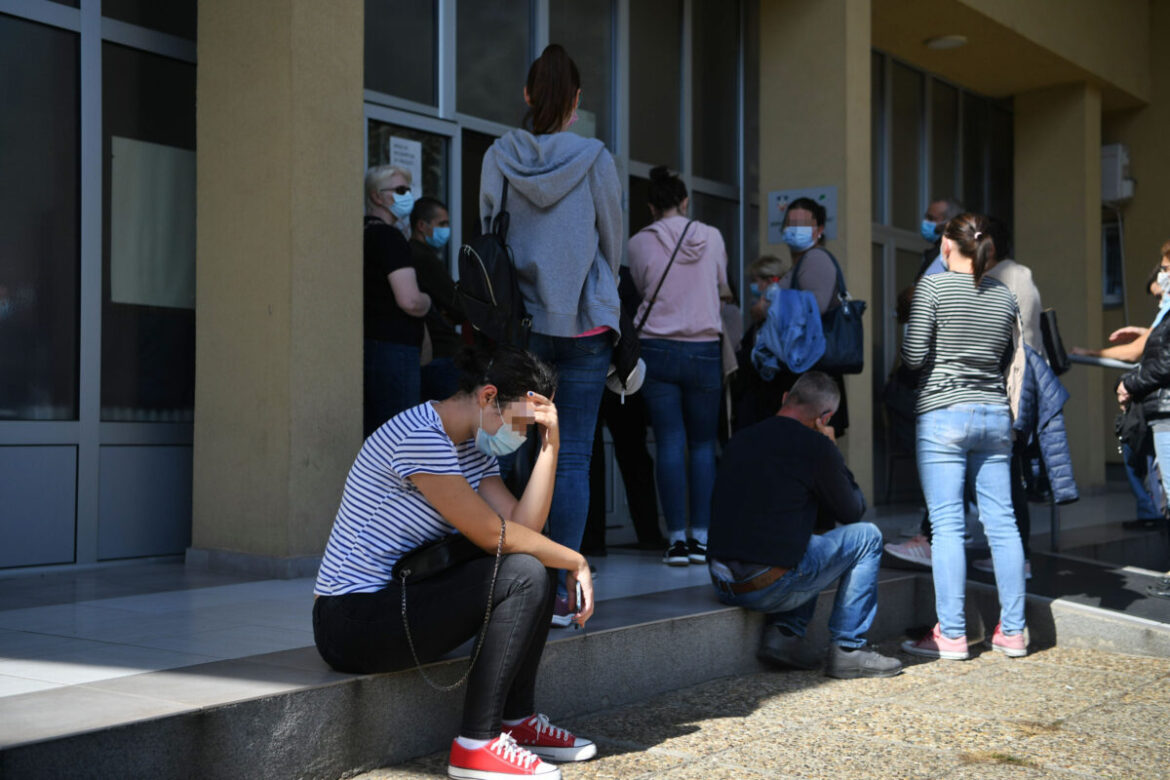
684,380
951,441
390,381
1162,454
440,379
851,553
1144,490
581,365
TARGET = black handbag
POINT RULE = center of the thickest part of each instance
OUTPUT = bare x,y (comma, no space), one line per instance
1053,346
843,328
434,558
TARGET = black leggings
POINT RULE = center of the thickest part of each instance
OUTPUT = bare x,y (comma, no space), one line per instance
362,633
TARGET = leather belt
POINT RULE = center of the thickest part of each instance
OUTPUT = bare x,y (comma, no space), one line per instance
758,582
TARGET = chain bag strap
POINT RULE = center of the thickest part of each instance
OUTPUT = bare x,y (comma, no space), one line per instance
482,633
654,297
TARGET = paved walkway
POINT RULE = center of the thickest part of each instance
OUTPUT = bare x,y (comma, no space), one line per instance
1058,714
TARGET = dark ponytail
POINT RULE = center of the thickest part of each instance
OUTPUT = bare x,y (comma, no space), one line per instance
971,234
512,370
666,189
553,81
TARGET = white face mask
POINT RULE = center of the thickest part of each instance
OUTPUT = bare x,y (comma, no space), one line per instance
503,441
1164,283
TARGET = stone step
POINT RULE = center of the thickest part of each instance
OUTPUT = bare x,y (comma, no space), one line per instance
285,715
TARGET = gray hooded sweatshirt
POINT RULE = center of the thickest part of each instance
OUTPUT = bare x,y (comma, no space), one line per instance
564,198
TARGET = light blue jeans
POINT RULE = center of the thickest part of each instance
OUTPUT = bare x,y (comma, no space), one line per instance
1162,455
850,553
953,441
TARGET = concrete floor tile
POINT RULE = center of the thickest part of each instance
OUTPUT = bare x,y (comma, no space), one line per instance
820,754
102,662
14,686
234,642
1103,756
1141,666
941,730
62,619
16,645
72,709
714,768
1156,691
1133,720
617,761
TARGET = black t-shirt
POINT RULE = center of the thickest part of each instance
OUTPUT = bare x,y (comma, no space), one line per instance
435,281
774,478
386,251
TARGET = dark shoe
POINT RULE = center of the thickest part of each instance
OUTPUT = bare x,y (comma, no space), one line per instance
862,662
786,651
696,552
676,555
1142,524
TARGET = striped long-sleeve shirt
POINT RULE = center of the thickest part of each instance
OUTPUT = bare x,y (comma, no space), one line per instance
961,336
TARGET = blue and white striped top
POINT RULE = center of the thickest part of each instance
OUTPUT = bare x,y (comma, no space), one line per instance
383,515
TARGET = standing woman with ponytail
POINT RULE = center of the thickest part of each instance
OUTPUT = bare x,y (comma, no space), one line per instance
678,265
564,198
961,334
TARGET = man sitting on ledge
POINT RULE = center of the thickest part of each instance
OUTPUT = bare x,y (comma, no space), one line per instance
774,479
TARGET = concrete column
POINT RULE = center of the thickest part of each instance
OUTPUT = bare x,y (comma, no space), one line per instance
1058,234
278,389
815,132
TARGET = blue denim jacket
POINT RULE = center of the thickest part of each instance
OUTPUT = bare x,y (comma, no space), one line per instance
791,335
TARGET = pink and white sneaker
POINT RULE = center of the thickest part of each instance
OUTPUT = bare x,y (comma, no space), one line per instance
913,550
539,736
1014,646
500,759
935,645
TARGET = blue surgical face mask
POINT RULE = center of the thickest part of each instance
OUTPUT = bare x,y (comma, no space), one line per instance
929,230
798,237
439,238
502,442
402,205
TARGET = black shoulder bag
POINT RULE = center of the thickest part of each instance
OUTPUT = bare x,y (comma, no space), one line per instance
489,287
437,557
842,326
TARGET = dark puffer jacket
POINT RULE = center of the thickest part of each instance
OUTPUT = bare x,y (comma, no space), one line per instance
1040,416
1149,383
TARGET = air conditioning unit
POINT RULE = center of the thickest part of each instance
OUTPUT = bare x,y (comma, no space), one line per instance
1116,185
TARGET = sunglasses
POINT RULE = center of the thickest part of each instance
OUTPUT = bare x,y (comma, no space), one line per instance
401,189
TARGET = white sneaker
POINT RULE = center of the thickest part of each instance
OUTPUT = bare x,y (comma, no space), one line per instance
985,564
915,550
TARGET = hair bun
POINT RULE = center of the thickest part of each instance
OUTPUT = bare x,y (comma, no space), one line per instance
660,173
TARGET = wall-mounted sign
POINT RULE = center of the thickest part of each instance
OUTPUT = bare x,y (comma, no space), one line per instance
407,154
778,201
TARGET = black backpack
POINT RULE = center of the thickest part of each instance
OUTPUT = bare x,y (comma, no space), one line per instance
488,287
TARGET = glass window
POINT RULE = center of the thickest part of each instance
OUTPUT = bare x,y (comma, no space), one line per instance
174,17
492,47
639,204
975,138
906,147
148,279
586,32
723,214
1000,168
714,93
877,135
475,146
395,145
655,79
400,49
39,221
944,139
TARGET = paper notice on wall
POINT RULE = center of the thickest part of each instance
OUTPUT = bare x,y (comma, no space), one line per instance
407,154
778,201
152,224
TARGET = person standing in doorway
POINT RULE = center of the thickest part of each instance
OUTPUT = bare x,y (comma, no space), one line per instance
393,304
564,199
678,265
430,230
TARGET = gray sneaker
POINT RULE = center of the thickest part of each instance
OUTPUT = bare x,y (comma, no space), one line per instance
862,662
788,652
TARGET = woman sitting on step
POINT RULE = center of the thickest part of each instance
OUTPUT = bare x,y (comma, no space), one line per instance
429,472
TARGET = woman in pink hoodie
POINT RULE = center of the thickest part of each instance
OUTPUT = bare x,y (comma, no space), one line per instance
680,327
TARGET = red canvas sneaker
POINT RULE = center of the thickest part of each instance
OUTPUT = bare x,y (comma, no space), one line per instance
500,759
549,742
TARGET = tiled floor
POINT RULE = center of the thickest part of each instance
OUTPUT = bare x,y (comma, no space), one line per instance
199,620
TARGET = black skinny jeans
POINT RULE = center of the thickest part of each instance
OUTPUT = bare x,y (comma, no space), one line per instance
362,633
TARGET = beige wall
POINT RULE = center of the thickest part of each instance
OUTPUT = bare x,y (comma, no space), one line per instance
278,337
1058,234
815,132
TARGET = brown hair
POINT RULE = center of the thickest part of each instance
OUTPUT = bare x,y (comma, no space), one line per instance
972,236
1166,249
553,81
